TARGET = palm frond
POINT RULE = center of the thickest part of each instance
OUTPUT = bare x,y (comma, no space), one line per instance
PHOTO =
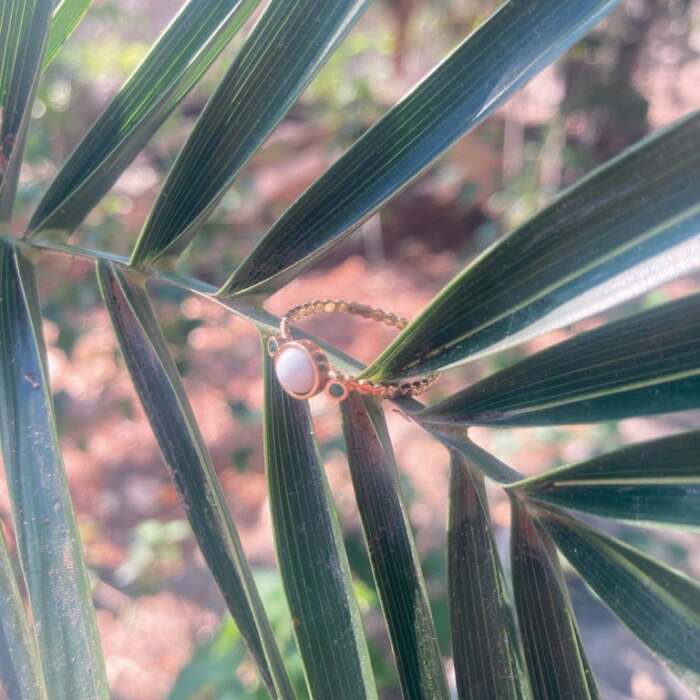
311,554
660,605
23,28
609,238
44,522
20,673
175,64
643,365
393,554
656,482
555,656
461,92
158,384
255,94
65,20
486,647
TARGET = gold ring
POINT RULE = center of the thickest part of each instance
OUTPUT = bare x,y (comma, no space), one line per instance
304,370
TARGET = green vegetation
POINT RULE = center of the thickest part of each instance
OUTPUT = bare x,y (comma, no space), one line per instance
627,227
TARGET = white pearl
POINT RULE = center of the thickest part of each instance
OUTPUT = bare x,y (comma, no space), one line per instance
295,370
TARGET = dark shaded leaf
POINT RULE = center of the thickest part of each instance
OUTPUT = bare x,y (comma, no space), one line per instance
172,68
66,17
393,555
311,554
285,50
661,606
23,28
487,656
646,364
163,397
461,92
47,536
625,229
649,482
20,672
555,656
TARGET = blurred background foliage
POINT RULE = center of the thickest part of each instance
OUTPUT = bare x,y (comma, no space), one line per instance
637,71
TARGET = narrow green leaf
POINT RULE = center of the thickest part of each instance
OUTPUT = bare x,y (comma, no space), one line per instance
20,673
163,397
649,482
553,651
311,554
23,28
286,49
646,364
15,19
661,606
66,17
487,656
641,218
461,92
47,536
393,555
173,67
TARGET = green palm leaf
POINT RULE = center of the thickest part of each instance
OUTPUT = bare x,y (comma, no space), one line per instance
15,20
23,28
625,229
462,91
256,93
642,365
650,482
66,18
485,645
163,397
20,673
311,553
555,657
173,67
47,536
568,261
660,605
393,555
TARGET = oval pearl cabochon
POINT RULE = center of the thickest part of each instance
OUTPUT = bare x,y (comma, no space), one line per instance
296,370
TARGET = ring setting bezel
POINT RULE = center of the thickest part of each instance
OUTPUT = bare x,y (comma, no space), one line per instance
314,355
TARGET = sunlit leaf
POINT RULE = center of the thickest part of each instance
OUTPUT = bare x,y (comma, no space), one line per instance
485,645
646,364
311,554
23,28
173,67
555,656
649,482
20,672
623,230
461,92
45,528
66,18
286,49
661,606
393,555
163,397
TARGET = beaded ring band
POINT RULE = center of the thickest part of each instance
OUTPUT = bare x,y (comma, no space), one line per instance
303,369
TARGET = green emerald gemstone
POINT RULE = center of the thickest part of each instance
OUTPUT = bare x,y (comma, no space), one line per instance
272,346
336,390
